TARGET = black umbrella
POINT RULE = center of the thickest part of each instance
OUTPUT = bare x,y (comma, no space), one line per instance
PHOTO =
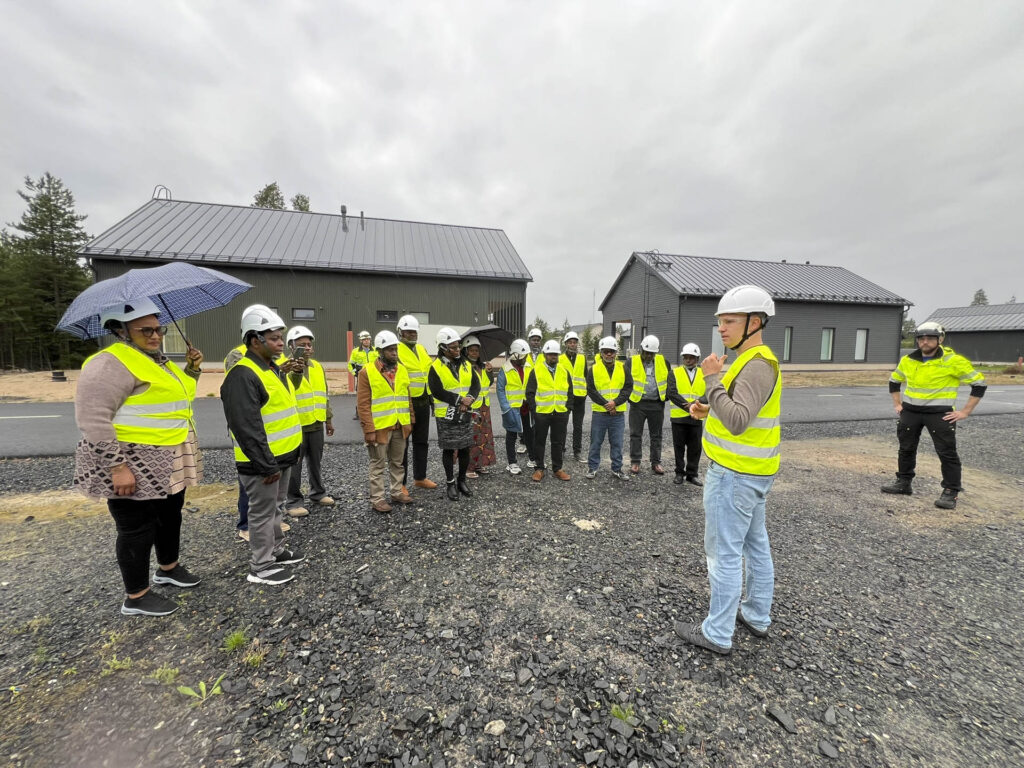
494,341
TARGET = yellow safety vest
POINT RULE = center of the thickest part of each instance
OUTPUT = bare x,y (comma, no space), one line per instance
162,414
689,390
311,395
531,360
608,386
578,372
417,363
460,387
934,382
483,400
389,406
361,357
640,378
552,391
280,417
515,387
756,450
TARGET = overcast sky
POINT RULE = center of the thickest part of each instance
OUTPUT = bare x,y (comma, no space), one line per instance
884,137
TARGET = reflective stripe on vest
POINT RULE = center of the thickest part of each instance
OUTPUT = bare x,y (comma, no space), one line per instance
460,387
416,363
934,382
311,395
279,415
755,451
552,391
484,398
388,406
689,391
160,415
515,385
578,372
607,386
640,378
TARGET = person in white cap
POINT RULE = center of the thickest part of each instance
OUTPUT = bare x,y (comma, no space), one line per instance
549,395
455,386
609,384
576,363
361,356
315,415
534,339
417,362
647,403
685,386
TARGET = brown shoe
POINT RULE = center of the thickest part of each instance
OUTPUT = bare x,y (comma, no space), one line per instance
425,483
635,469
658,469
562,475
401,498
404,491
381,506
538,475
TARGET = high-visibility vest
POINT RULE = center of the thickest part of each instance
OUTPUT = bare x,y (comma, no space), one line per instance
388,405
417,363
460,387
689,390
483,400
531,360
552,391
608,386
515,385
640,378
280,417
162,414
755,451
934,382
311,395
360,358
578,373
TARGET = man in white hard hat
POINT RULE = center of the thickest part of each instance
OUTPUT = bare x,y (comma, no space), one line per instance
316,417
575,363
417,363
647,403
686,386
741,440
361,356
549,395
609,385
932,374
535,339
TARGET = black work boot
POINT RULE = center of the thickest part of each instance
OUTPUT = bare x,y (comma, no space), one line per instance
464,487
452,491
947,500
900,486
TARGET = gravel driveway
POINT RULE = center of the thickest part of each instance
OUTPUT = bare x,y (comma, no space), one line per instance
497,631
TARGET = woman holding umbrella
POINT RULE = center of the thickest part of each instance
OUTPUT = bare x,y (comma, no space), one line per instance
454,385
481,452
139,449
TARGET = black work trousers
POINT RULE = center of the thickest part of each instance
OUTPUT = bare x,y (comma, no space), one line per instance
142,526
579,410
420,439
528,433
686,435
943,433
510,447
651,412
557,424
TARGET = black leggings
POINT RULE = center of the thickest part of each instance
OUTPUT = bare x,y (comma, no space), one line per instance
448,462
510,446
144,525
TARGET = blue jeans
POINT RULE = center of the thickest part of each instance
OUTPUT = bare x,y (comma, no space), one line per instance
734,531
243,508
614,425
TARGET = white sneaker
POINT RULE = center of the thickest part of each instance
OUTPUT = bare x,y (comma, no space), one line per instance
592,474
514,469
621,476
531,463
520,448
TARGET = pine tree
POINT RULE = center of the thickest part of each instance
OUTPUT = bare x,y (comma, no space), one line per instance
300,202
980,298
269,197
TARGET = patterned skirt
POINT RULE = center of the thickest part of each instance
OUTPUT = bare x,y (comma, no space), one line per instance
481,452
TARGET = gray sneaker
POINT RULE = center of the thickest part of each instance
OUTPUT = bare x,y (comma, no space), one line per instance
591,474
693,634
621,476
274,574
178,576
150,604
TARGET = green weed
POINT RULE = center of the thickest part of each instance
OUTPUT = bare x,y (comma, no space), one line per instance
165,675
201,696
235,641
114,664
622,714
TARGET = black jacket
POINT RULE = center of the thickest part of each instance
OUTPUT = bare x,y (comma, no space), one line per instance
437,390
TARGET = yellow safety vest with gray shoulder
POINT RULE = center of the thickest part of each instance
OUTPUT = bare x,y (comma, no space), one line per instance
608,386
515,386
755,451
640,378
577,371
388,406
311,395
552,391
417,363
690,390
934,382
483,400
163,413
280,417
460,387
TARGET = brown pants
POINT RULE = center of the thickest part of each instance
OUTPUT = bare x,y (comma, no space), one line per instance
386,459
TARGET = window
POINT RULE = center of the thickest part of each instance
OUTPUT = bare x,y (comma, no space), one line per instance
787,344
387,315
717,347
422,317
827,336
860,352
300,313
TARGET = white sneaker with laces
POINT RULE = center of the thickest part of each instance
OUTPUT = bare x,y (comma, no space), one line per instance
531,463
514,469
520,448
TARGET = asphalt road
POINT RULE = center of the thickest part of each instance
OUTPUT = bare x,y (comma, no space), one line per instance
48,429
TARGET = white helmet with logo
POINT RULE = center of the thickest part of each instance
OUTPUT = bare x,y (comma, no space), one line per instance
408,323
447,336
128,310
470,341
261,320
519,348
650,344
298,332
930,328
744,299
570,335
551,348
690,349
385,339
608,342
535,332
364,334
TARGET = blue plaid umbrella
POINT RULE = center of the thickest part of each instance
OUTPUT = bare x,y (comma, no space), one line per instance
181,289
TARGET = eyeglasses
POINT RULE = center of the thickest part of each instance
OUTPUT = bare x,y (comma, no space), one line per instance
149,331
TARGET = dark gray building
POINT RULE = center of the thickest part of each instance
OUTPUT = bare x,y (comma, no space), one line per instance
332,273
991,333
823,314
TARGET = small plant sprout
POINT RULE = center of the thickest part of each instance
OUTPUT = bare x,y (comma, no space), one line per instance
235,641
115,664
165,675
622,714
203,694
255,655
280,705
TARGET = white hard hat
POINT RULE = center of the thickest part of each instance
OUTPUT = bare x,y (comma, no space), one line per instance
251,307
690,349
744,299
364,334
551,348
535,332
930,328
385,339
261,320
570,335
446,336
128,310
470,341
650,344
408,323
608,342
519,348
298,332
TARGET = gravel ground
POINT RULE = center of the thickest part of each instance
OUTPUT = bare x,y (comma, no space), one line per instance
495,631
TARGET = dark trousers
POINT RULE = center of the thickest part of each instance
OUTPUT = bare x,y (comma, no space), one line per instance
686,434
579,410
510,447
943,433
243,508
651,412
311,453
529,433
420,439
558,424
142,526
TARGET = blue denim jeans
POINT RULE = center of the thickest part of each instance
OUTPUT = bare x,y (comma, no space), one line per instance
734,532
612,424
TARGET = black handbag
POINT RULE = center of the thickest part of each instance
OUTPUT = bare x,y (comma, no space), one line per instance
454,416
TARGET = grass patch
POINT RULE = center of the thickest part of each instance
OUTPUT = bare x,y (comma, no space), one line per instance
165,675
114,664
255,655
235,641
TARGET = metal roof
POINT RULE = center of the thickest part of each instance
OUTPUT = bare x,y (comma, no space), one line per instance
177,230
787,281
987,317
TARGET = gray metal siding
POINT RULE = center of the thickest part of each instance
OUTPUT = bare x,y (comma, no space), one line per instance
808,319
987,346
642,298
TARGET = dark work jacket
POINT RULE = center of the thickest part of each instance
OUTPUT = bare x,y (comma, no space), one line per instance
627,385
437,390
